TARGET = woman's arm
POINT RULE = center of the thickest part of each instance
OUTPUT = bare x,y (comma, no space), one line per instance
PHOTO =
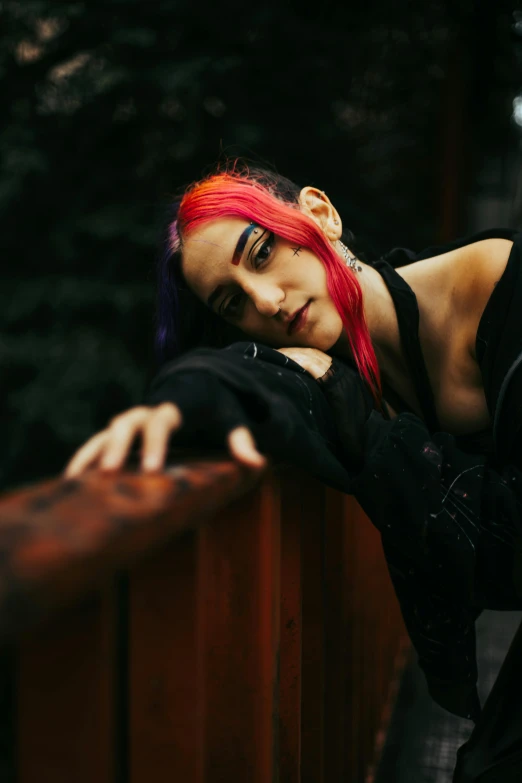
198,409
283,407
477,269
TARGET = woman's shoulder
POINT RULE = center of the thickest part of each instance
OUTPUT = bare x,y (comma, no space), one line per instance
456,283
480,265
477,269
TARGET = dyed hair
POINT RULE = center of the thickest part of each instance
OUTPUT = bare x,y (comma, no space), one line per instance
270,201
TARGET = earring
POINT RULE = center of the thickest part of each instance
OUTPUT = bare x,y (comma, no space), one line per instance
351,261
336,222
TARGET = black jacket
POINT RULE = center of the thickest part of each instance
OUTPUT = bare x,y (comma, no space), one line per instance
449,514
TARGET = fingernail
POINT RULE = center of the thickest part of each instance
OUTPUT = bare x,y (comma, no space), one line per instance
150,463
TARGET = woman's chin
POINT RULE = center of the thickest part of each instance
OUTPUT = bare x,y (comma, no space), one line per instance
340,345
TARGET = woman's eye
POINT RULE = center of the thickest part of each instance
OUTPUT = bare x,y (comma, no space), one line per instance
264,251
232,305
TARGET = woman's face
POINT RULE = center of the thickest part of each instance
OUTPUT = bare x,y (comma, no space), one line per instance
272,290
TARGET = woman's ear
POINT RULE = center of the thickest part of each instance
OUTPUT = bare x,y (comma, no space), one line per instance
318,206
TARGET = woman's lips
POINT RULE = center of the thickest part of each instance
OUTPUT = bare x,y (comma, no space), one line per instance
300,319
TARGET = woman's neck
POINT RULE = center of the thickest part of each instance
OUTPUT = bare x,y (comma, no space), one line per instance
381,319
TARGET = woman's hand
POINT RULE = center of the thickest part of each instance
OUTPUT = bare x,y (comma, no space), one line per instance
109,449
312,360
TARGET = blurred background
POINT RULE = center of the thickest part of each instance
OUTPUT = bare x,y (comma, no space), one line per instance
408,115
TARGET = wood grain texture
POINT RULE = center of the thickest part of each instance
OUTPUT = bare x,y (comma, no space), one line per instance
240,594
62,538
337,570
260,638
65,708
166,676
290,683
313,619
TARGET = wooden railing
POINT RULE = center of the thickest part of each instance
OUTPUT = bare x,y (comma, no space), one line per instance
191,626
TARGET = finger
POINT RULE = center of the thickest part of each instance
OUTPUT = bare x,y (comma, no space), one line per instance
242,446
166,420
122,432
86,455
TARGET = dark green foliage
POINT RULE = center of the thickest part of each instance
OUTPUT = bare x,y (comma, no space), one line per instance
108,107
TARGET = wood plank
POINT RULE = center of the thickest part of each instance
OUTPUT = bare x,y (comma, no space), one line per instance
336,652
62,538
240,594
355,690
65,707
165,667
313,662
375,636
7,715
291,627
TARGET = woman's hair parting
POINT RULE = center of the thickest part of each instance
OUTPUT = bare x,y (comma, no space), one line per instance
271,201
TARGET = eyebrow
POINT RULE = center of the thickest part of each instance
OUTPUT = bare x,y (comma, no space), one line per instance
236,258
241,242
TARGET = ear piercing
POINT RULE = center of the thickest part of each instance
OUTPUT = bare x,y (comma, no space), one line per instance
336,222
351,261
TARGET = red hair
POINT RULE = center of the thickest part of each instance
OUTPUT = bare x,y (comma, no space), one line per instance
228,195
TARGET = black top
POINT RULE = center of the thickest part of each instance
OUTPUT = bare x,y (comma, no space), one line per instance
407,311
449,517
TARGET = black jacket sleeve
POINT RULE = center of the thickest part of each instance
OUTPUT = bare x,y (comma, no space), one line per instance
279,401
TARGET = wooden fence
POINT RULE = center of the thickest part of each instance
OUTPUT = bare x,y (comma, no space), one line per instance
191,626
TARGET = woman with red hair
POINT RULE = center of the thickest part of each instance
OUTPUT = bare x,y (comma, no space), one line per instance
397,380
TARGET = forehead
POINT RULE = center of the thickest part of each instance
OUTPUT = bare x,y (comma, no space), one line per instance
208,252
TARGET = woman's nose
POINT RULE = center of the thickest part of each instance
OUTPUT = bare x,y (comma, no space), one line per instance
267,300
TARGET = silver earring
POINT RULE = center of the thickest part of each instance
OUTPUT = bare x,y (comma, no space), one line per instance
351,261
336,222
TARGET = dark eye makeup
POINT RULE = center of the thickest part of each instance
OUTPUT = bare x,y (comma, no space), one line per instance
264,251
230,307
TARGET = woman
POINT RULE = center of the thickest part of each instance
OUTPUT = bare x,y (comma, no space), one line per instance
400,387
